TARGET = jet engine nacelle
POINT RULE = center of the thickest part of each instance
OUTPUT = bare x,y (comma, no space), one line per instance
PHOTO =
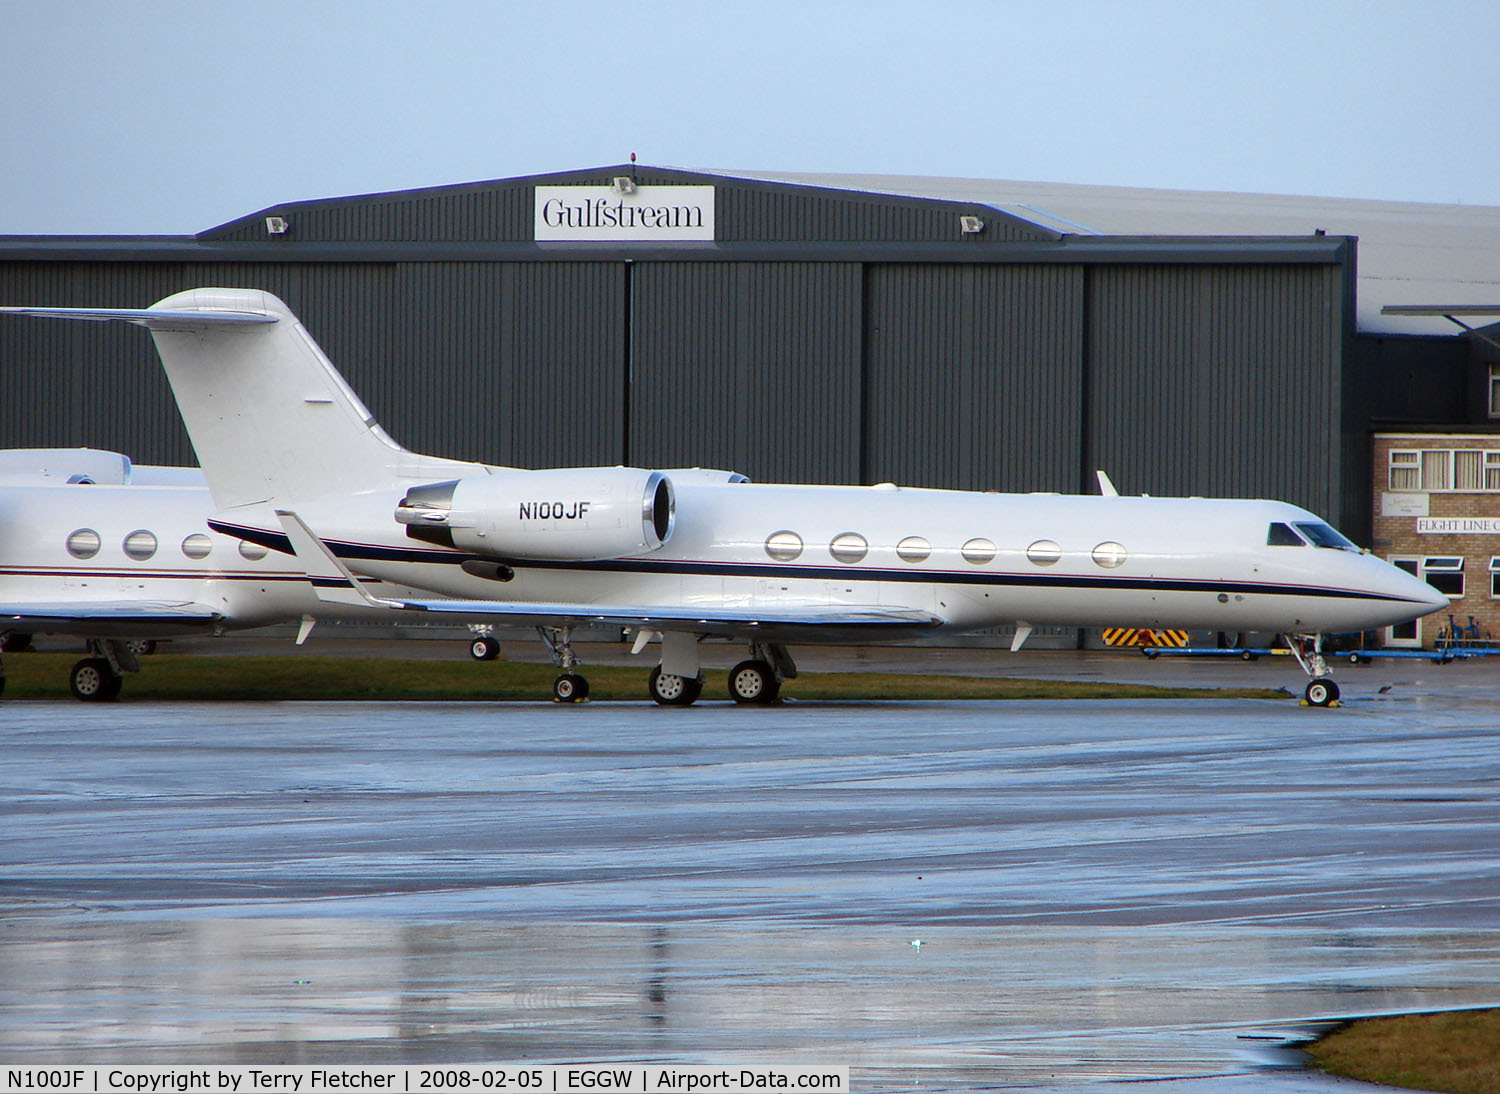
576,514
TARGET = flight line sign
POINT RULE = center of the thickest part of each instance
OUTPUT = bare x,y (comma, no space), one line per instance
587,214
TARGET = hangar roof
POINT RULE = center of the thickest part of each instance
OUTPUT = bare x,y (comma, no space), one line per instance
1408,253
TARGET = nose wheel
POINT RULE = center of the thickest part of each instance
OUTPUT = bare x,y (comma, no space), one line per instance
570,687
1322,692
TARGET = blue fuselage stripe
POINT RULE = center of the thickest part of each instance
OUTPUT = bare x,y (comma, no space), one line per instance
370,552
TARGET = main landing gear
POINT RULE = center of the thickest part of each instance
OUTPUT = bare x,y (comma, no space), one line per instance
99,676
1321,691
678,680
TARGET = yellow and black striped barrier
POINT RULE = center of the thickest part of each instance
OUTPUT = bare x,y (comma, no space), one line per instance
1142,636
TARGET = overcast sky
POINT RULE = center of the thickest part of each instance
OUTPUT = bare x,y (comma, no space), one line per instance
148,116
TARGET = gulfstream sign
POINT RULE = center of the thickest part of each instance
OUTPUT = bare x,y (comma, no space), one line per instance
600,213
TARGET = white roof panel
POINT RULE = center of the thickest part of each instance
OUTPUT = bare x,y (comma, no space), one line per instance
1409,253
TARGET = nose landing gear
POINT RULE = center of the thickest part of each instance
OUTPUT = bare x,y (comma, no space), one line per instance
570,686
1321,691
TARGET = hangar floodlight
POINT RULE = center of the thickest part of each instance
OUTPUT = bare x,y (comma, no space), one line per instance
970,226
277,226
624,184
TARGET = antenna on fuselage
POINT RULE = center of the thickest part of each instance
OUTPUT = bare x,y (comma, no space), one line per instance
1106,488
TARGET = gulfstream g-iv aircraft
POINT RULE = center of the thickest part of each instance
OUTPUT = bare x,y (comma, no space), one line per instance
94,546
296,462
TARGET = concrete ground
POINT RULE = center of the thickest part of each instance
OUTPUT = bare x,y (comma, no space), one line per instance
946,896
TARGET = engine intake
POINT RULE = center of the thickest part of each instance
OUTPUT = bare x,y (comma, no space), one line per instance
576,514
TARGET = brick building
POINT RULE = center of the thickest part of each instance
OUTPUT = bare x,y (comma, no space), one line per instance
1436,507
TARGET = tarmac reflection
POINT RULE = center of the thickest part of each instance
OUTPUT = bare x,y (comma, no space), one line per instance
939,895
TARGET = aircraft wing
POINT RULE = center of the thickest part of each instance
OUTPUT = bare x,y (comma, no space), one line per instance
335,583
702,618
108,618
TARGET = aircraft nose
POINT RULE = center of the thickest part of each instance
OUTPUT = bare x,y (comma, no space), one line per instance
1433,599
1415,589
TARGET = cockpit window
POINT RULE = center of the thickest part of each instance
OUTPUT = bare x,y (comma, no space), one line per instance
1324,536
1281,535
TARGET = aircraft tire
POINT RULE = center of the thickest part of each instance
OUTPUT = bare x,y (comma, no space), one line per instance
570,688
484,648
674,691
753,682
93,681
1321,692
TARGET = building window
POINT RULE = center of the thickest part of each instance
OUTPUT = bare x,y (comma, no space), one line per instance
1432,470
1495,579
1495,391
1446,575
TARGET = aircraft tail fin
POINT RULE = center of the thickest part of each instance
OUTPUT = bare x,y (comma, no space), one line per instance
269,416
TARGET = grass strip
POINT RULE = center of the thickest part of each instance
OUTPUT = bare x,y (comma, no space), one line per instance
1457,1052
45,676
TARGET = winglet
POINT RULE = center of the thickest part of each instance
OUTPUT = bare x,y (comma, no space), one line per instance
331,579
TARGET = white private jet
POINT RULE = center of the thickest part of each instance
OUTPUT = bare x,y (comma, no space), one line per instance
116,553
297,463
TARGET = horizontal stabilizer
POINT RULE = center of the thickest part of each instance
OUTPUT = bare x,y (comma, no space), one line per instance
151,319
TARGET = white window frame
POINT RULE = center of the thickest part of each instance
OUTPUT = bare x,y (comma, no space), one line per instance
1437,470
1443,565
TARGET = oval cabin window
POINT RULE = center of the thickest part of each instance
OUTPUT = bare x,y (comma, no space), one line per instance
978,551
784,546
252,551
849,547
913,549
197,545
1109,555
84,543
140,545
1044,552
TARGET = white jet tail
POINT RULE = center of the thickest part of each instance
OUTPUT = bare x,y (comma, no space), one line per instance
269,416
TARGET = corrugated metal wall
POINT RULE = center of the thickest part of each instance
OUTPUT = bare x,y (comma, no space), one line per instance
944,364
749,366
974,376
519,364
1218,380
